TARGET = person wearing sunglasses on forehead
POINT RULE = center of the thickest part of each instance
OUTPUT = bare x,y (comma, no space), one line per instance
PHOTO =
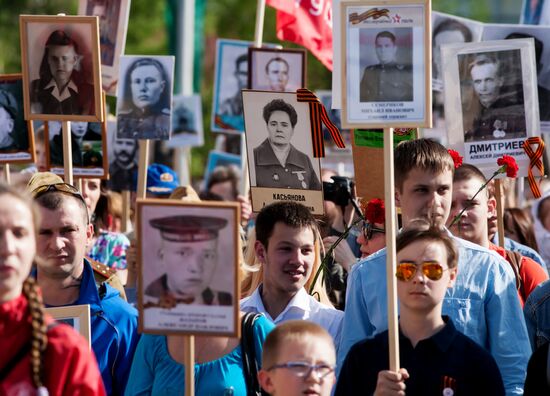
435,358
298,359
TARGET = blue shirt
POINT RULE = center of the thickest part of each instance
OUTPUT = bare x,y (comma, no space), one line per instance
483,304
154,372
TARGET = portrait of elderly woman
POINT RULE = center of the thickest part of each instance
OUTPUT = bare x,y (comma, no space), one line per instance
278,164
62,86
145,103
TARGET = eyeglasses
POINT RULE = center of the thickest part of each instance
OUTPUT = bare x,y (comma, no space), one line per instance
369,229
406,270
304,369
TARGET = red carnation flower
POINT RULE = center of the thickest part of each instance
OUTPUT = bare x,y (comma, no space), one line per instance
508,164
375,211
457,158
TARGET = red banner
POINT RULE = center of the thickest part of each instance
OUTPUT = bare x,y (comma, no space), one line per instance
307,23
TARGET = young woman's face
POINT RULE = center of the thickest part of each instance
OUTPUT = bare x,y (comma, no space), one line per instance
91,191
17,245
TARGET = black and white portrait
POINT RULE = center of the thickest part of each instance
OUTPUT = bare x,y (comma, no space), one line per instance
276,70
123,160
145,97
188,265
113,22
61,67
16,140
387,60
187,129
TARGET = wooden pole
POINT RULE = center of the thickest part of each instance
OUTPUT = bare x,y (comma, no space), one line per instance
7,174
125,211
67,151
500,212
189,363
391,227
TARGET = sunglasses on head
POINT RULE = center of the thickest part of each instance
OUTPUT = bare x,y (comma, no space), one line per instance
406,270
63,188
369,230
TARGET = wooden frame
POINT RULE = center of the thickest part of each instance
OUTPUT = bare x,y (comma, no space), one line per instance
76,316
86,150
406,99
84,105
24,150
258,60
163,310
269,181
483,128
113,24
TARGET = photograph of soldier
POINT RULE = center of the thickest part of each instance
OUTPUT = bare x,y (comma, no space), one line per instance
64,85
188,256
14,132
277,163
391,78
276,70
495,109
145,97
123,161
187,128
86,144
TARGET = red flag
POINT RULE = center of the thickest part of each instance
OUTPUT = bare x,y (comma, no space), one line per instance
308,23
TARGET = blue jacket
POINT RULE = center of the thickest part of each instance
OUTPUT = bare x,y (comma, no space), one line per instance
114,330
537,315
483,304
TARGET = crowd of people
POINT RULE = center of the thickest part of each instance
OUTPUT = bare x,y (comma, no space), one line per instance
473,316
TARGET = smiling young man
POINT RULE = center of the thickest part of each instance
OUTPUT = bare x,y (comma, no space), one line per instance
285,246
435,358
483,302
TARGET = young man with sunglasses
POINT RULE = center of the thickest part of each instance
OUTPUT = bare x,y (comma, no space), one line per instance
483,302
67,278
435,358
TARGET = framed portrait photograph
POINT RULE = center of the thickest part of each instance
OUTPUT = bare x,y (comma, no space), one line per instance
61,68
16,134
123,157
282,70
221,158
541,39
113,24
76,316
386,75
188,266
281,165
187,129
144,105
495,109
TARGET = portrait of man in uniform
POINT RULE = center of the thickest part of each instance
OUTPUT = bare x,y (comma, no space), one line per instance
277,163
145,98
390,80
188,255
495,110
86,144
276,70
233,105
123,164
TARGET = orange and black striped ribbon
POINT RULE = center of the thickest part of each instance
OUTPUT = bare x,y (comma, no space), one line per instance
318,116
535,158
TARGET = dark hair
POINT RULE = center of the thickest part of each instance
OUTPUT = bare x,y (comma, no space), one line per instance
222,174
387,34
291,214
539,46
484,59
276,59
422,230
58,38
53,200
164,100
468,171
424,154
451,25
242,58
280,105
522,225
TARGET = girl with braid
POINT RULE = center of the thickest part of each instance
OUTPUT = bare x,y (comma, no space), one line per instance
38,356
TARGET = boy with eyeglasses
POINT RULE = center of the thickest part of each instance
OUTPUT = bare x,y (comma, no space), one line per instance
435,358
298,359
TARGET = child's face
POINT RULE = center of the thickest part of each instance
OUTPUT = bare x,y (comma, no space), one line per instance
284,382
421,294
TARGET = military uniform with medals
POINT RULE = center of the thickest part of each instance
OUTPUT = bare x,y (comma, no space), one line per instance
297,173
390,82
137,124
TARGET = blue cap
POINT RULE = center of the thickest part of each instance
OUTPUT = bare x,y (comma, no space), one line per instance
161,179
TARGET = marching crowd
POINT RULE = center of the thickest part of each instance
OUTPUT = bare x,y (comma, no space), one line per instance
473,316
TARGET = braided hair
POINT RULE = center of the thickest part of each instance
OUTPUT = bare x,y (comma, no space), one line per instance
39,338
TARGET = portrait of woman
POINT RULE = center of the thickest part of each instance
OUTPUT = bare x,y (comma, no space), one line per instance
146,97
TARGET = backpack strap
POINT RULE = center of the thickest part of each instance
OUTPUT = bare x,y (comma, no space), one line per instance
514,258
250,363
